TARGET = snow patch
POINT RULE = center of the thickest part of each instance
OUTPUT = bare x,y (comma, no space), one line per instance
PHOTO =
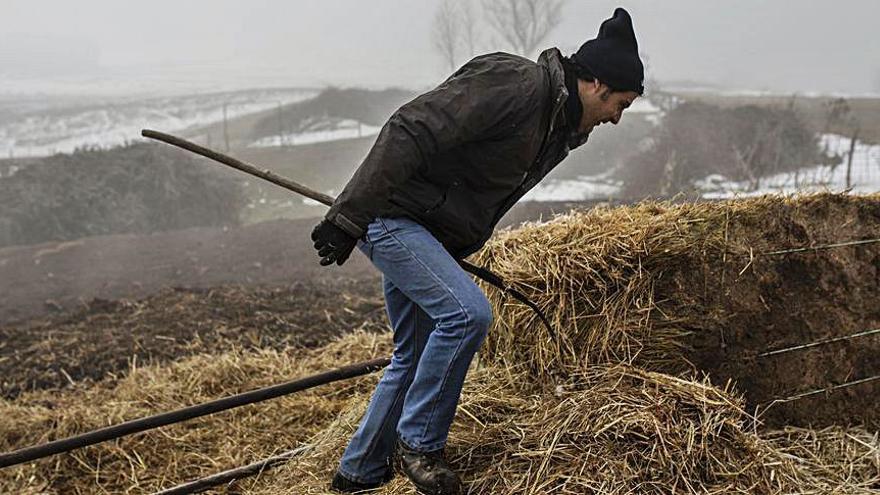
583,188
46,132
864,176
319,131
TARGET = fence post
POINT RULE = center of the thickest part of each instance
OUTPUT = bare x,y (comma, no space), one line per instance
852,149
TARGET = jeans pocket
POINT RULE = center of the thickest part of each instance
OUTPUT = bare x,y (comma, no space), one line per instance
366,247
376,230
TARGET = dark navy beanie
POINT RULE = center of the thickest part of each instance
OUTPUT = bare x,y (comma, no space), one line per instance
613,57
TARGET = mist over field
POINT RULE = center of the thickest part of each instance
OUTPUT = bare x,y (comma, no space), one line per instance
125,47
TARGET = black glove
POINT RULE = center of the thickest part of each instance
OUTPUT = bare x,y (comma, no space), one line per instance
332,243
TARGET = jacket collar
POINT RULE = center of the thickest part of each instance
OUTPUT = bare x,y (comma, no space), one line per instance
551,60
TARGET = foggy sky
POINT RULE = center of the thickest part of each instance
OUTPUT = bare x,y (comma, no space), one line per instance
785,46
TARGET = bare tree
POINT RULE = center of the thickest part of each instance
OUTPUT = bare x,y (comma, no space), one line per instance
446,36
469,18
838,113
523,24
455,33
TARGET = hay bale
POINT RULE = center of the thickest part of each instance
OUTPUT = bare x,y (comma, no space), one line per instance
680,287
593,273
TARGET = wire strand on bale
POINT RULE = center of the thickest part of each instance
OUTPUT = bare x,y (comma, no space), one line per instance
139,425
827,389
820,342
821,247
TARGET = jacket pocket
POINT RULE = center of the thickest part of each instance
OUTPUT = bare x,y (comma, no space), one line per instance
420,201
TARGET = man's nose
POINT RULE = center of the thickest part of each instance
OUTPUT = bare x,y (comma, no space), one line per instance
616,118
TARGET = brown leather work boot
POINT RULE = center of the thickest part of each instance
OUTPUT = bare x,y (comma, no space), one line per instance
428,471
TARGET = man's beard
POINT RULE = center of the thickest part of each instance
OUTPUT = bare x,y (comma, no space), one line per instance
579,138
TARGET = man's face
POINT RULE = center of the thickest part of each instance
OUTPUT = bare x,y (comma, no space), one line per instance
601,105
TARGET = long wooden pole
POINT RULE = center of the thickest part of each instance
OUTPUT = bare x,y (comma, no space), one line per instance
240,165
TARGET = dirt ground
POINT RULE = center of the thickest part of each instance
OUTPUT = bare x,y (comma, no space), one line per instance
105,338
57,277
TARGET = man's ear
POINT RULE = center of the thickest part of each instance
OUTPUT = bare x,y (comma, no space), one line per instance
593,86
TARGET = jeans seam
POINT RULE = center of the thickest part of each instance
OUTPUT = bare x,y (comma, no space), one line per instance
399,396
384,227
445,381
460,305
401,393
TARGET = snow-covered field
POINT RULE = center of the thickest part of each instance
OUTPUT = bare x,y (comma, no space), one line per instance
583,188
31,130
864,175
320,130
864,178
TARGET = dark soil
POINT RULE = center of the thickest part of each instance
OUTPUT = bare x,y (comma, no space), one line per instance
137,188
107,337
791,299
59,277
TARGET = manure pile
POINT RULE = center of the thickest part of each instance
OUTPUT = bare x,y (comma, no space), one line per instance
662,312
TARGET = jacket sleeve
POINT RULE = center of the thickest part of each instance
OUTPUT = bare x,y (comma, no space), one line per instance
484,98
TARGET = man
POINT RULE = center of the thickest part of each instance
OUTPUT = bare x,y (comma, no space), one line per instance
444,169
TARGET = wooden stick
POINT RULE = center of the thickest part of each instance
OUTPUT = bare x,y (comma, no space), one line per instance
240,165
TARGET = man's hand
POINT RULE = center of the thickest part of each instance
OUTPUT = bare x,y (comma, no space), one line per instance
332,243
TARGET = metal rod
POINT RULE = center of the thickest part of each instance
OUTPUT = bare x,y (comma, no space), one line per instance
829,389
821,342
148,423
230,475
824,246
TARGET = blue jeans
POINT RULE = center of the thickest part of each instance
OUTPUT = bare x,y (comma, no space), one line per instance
440,317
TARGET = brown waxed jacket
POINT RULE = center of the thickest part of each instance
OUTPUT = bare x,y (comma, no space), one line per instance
456,158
